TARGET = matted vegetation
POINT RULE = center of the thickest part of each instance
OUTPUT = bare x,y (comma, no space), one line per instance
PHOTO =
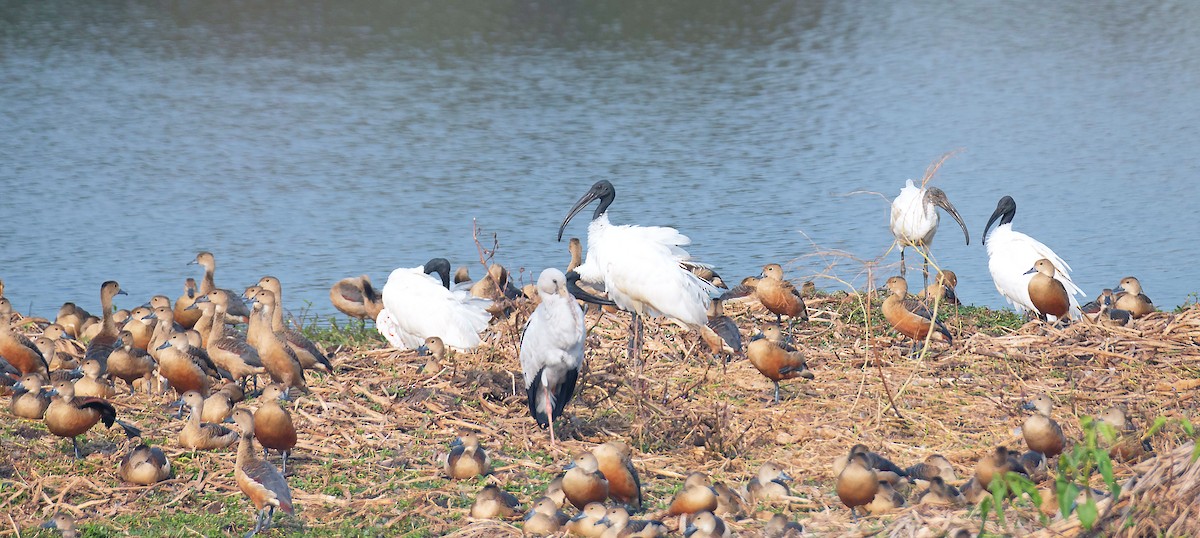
367,460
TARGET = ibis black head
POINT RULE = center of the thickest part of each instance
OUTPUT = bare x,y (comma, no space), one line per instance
601,190
441,266
1005,209
937,197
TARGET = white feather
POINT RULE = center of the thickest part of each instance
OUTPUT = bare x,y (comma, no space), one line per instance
639,269
913,221
417,306
1011,254
554,337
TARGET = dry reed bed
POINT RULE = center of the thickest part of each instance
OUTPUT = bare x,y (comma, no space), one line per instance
371,434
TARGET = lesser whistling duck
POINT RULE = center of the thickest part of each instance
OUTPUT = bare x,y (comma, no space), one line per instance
228,348
555,491
886,499
728,339
934,465
140,325
273,425
467,458
30,398
730,502
620,525
1012,253
55,359
774,362
65,523
492,502
435,349
217,407
587,522
159,301
497,287
544,518
19,351
1049,296
144,465
351,296
696,496
462,274
942,288
779,526
257,478
705,524
164,327
72,318
769,484
276,355
1128,446
92,384
108,337
129,362
234,391
311,357
187,368
857,483
941,493
1110,316
779,296
68,416
185,317
615,461
1131,299
583,482
552,350
995,464
1035,465
914,220
1041,432
910,317
200,435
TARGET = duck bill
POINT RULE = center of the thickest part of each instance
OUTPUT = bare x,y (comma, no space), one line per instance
575,209
949,207
578,293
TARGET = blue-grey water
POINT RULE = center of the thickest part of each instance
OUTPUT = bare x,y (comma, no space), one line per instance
314,141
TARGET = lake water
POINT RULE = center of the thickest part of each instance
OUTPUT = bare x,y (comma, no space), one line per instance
314,141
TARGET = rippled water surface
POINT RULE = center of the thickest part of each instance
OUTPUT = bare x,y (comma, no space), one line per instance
314,141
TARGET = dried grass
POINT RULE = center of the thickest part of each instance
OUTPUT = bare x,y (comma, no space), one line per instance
370,435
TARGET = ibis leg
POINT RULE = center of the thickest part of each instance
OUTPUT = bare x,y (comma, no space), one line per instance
549,414
925,272
902,268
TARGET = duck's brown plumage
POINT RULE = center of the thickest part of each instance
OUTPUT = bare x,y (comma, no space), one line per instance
200,435
614,459
273,425
857,483
1131,299
492,502
1041,432
1048,295
696,496
108,338
779,296
93,384
19,351
258,479
583,482
68,416
129,362
187,368
185,317
996,464
774,362
144,465
30,398
310,356
909,317
276,355
467,458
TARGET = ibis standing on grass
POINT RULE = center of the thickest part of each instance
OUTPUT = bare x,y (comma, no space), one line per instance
642,268
552,349
1012,253
915,220
417,306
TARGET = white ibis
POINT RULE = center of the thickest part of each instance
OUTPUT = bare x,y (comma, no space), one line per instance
417,306
915,220
642,268
552,349
1012,253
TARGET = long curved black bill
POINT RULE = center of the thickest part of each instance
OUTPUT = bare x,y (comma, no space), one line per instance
575,209
575,290
954,213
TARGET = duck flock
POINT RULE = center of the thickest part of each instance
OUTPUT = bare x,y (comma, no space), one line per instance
194,348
